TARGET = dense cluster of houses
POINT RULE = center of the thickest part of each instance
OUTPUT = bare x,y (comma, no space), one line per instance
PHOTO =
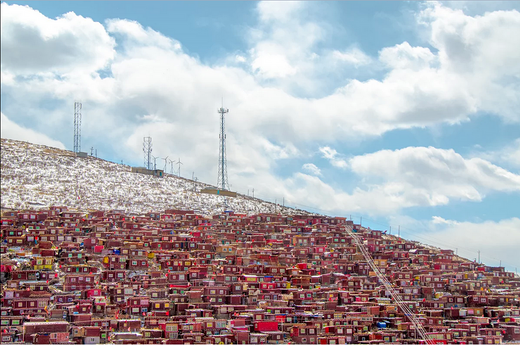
176,277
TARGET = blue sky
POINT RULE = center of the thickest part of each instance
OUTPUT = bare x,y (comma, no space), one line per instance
403,113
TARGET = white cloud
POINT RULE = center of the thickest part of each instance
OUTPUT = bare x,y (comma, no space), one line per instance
353,56
278,11
511,154
483,50
311,168
272,65
142,37
11,130
332,156
427,176
404,56
240,58
496,241
281,45
154,88
33,43
508,155
328,199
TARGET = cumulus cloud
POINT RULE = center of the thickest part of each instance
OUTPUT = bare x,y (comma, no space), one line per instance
311,168
282,43
153,87
333,157
483,50
427,176
352,56
33,43
496,241
508,155
404,56
11,130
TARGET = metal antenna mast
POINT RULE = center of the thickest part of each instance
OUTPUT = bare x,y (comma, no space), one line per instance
222,180
77,126
147,149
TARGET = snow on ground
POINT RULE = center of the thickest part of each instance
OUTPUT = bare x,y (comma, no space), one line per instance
40,176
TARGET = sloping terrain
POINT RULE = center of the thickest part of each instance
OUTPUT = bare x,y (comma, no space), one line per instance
36,175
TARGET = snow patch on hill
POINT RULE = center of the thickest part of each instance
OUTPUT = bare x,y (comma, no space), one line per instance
40,176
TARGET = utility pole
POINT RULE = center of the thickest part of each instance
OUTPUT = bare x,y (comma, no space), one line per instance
165,161
399,231
479,256
179,164
194,183
171,166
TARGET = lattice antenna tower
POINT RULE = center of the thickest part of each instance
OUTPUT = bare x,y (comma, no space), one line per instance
77,126
147,149
222,179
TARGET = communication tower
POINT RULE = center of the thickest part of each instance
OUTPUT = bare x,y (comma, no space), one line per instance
147,149
77,126
222,179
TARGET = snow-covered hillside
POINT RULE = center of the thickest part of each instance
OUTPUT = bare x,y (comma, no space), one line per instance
36,175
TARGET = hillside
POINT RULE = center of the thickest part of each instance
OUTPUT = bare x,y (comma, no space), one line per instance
41,176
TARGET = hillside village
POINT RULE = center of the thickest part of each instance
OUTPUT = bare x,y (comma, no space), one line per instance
181,270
